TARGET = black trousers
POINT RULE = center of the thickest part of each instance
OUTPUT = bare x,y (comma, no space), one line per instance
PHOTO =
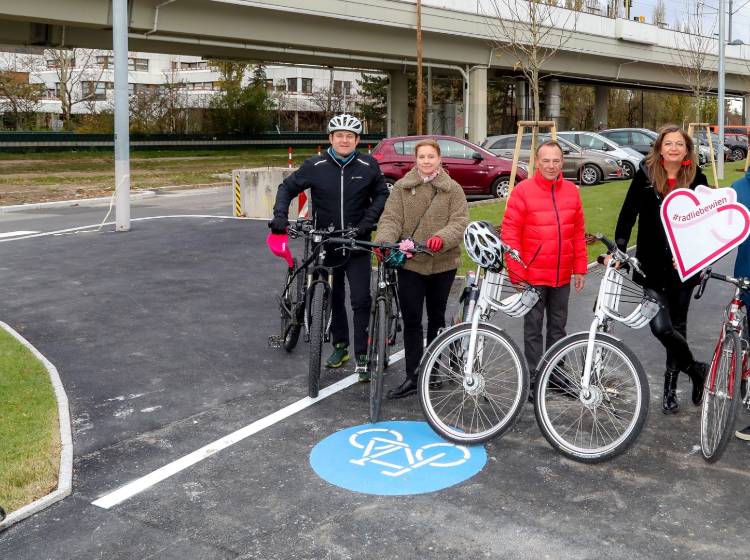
670,324
553,302
415,291
357,271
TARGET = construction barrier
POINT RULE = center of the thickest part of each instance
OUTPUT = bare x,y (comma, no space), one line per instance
254,192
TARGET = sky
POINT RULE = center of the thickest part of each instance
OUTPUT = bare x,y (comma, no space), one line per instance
676,10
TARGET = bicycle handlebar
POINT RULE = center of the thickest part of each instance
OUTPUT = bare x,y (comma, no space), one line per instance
418,247
741,283
618,255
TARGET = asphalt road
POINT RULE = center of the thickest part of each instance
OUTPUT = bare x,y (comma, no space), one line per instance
159,335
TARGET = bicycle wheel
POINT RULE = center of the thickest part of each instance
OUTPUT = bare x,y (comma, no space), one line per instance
317,328
376,359
721,397
603,424
292,309
472,409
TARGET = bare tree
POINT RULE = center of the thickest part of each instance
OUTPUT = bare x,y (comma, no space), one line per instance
614,8
532,31
78,74
693,44
659,16
18,96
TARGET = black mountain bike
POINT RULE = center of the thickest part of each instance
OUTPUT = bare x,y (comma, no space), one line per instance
385,314
305,300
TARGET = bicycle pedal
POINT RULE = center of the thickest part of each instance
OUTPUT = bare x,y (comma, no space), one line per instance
274,341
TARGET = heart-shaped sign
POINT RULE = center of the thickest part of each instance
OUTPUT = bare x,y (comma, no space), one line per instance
702,226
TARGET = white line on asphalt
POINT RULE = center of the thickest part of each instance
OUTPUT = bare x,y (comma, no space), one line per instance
139,485
95,227
16,233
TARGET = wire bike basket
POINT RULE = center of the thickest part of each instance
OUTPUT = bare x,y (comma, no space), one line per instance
507,298
624,301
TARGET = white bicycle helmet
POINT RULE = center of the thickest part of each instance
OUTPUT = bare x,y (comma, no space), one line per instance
483,245
345,122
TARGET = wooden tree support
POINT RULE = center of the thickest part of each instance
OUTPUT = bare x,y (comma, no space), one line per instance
707,128
534,126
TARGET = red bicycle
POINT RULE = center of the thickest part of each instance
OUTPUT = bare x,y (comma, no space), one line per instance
726,382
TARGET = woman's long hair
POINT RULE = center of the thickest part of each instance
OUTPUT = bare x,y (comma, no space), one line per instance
655,164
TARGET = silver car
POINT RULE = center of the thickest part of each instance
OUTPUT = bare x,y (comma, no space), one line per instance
630,158
588,167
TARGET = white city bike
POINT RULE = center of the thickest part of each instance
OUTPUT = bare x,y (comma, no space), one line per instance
473,379
592,395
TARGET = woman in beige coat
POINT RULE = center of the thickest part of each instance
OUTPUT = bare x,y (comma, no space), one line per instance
430,208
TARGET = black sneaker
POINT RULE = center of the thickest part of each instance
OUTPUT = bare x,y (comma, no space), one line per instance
743,434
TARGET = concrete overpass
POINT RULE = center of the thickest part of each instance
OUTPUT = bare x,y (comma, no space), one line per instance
372,34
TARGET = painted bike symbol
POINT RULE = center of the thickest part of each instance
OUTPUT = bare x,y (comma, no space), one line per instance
375,444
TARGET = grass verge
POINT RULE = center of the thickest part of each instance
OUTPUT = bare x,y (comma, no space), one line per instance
29,435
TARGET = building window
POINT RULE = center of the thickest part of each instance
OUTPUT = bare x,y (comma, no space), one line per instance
199,65
96,91
291,85
55,63
306,85
342,88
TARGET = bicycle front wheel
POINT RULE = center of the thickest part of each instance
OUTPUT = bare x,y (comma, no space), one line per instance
721,397
475,408
291,320
602,423
376,358
317,329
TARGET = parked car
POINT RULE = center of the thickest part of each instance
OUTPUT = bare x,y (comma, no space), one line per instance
474,168
587,166
640,139
630,158
735,148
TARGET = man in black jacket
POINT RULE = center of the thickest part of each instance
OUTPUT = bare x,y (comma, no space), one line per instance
347,189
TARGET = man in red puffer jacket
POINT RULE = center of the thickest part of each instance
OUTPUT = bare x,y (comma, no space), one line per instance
544,222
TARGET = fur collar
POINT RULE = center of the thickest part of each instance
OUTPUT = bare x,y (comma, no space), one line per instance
412,180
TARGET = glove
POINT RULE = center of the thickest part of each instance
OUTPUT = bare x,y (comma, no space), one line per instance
279,245
434,243
278,224
380,254
364,230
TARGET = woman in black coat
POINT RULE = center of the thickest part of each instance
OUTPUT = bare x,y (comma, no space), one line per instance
670,165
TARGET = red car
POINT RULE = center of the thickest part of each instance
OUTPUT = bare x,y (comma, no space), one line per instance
475,169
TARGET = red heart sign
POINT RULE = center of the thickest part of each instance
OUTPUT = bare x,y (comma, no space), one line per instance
703,226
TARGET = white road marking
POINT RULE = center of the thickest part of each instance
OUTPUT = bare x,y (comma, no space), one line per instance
16,233
95,227
139,485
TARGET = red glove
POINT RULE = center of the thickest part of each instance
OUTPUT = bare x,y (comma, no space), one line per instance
434,244
378,254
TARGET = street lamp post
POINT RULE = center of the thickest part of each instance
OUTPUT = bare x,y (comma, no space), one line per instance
720,108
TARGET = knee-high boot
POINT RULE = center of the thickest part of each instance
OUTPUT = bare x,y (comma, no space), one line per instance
697,373
669,403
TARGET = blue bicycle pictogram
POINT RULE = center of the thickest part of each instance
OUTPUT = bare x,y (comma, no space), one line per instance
394,458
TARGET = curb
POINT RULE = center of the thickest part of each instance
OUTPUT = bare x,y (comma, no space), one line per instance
69,203
65,472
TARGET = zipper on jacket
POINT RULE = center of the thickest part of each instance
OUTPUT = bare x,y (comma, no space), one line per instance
559,237
342,198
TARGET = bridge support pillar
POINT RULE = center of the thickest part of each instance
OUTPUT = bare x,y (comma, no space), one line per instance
601,103
521,97
398,104
478,105
746,108
552,99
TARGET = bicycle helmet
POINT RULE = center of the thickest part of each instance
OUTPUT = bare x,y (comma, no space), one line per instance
345,122
483,245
